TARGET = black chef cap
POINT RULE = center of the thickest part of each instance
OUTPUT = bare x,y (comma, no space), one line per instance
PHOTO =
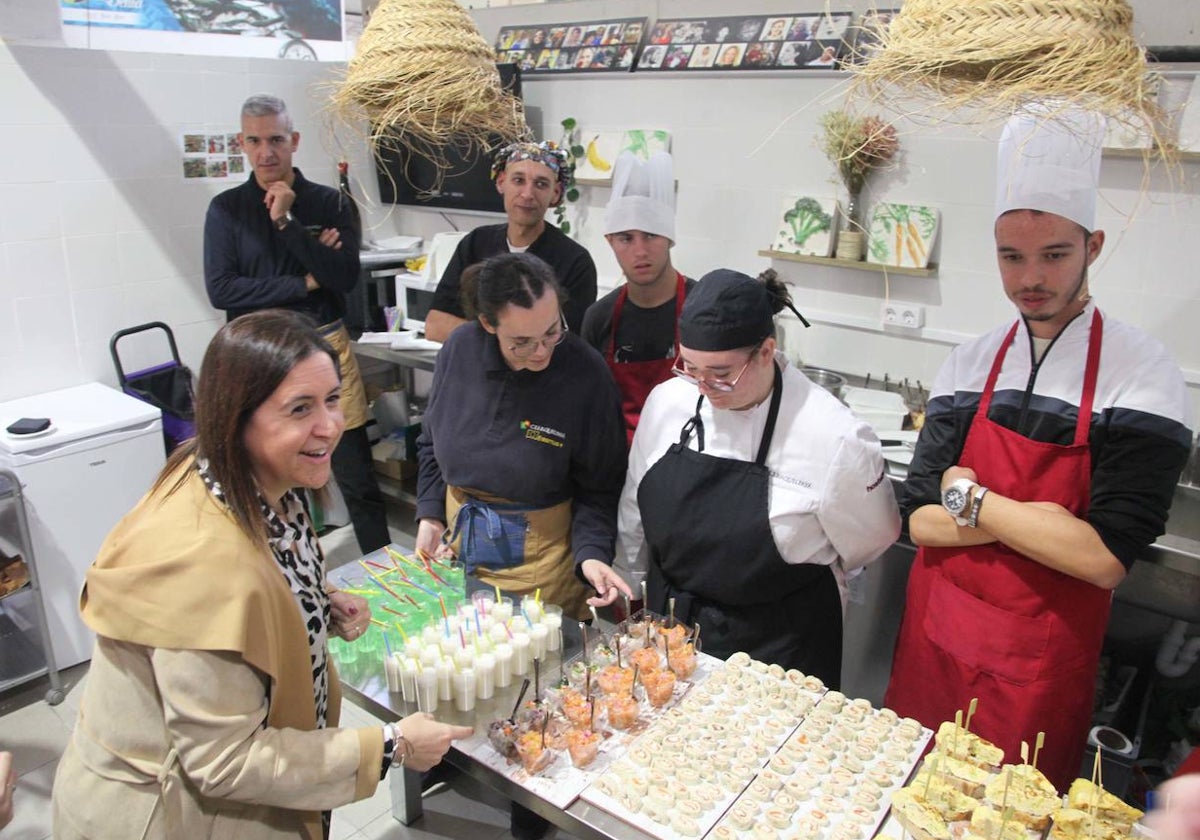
728,310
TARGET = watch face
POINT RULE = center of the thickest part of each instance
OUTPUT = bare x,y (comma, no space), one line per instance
954,500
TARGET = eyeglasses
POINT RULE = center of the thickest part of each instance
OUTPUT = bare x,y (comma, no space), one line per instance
523,348
713,384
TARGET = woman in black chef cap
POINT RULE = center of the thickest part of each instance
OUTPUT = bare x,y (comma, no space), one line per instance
752,493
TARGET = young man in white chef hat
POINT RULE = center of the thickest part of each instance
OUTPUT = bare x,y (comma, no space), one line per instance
636,326
1048,460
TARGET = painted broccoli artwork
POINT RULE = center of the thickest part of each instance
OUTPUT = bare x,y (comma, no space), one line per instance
806,226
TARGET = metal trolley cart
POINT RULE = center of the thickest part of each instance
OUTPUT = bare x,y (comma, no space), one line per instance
25,651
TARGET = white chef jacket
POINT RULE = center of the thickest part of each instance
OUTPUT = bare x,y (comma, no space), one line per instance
829,500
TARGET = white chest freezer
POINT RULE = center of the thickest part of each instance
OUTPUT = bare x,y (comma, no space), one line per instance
79,477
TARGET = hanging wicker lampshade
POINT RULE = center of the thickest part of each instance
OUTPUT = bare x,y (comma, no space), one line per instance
423,73
998,55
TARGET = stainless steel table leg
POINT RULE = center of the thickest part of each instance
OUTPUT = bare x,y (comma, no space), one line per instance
406,795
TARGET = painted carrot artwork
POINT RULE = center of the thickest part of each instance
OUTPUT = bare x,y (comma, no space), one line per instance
903,234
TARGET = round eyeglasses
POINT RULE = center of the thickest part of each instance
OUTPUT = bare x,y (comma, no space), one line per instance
523,348
713,384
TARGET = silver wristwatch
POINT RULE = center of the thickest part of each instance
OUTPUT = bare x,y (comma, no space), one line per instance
957,498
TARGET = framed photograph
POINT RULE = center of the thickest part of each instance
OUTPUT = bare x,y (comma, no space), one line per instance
865,36
588,46
794,41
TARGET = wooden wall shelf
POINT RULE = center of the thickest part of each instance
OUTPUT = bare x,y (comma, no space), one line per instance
861,265
1155,156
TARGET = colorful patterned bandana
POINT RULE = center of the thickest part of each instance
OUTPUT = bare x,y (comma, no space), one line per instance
547,152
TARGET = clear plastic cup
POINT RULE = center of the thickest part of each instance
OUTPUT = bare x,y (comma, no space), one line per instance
485,676
583,746
391,672
553,621
427,690
539,635
408,680
503,610
464,689
504,664
532,608
532,750
520,645
445,683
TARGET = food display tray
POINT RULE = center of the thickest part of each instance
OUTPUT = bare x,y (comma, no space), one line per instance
751,753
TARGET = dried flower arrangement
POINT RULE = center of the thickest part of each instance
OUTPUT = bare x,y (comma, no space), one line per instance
857,146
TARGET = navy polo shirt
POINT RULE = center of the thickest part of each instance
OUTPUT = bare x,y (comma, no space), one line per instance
533,437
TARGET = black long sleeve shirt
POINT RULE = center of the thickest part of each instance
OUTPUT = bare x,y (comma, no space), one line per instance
249,264
532,437
572,264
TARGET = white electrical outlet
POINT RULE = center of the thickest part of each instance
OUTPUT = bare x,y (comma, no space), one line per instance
898,313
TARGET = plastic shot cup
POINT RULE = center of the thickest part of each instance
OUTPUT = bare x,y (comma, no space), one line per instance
408,680
464,689
552,618
485,676
539,635
520,645
504,664
427,690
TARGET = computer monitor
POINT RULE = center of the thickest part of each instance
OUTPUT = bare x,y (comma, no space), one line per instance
461,180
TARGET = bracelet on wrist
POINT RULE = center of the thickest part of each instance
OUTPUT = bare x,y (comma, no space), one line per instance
976,504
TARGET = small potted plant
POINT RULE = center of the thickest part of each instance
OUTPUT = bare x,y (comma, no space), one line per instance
857,146
570,142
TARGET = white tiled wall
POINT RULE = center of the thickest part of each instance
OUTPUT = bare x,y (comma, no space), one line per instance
98,229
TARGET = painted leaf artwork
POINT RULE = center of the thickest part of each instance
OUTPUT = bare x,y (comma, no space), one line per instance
601,149
806,226
902,234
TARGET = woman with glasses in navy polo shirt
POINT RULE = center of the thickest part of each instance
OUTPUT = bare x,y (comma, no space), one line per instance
752,493
522,448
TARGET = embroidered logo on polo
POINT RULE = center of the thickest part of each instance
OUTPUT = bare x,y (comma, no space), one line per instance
543,434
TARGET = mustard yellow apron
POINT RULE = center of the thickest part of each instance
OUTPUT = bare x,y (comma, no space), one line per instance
544,560
354,394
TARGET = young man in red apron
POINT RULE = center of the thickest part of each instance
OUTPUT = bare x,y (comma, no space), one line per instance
1049,457
636,326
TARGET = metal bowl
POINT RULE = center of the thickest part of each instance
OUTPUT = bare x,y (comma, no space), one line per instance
831,381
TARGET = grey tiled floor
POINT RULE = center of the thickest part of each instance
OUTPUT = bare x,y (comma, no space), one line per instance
37,734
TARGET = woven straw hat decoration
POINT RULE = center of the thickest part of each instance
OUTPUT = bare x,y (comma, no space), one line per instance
999,55
423,73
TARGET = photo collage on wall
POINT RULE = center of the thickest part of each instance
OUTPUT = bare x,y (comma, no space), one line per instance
599,45
804,41
210,155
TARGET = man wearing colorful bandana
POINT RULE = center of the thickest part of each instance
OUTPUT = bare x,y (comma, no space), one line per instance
1046,465
532,178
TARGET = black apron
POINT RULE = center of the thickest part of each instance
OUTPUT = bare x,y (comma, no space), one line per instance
708,530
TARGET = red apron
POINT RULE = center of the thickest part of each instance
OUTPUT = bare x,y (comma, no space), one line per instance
987,622
636,380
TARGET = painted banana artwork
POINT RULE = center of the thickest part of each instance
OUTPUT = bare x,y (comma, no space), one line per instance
602,150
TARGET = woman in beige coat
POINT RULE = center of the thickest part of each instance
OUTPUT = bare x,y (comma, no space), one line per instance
211,705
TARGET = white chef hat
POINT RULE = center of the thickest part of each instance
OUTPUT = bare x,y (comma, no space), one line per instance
1049,160
643,196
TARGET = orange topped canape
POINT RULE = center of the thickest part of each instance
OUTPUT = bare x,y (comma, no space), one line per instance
675,635
682,661
534,755
615,680
622,711
646,659
583,745
660,685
